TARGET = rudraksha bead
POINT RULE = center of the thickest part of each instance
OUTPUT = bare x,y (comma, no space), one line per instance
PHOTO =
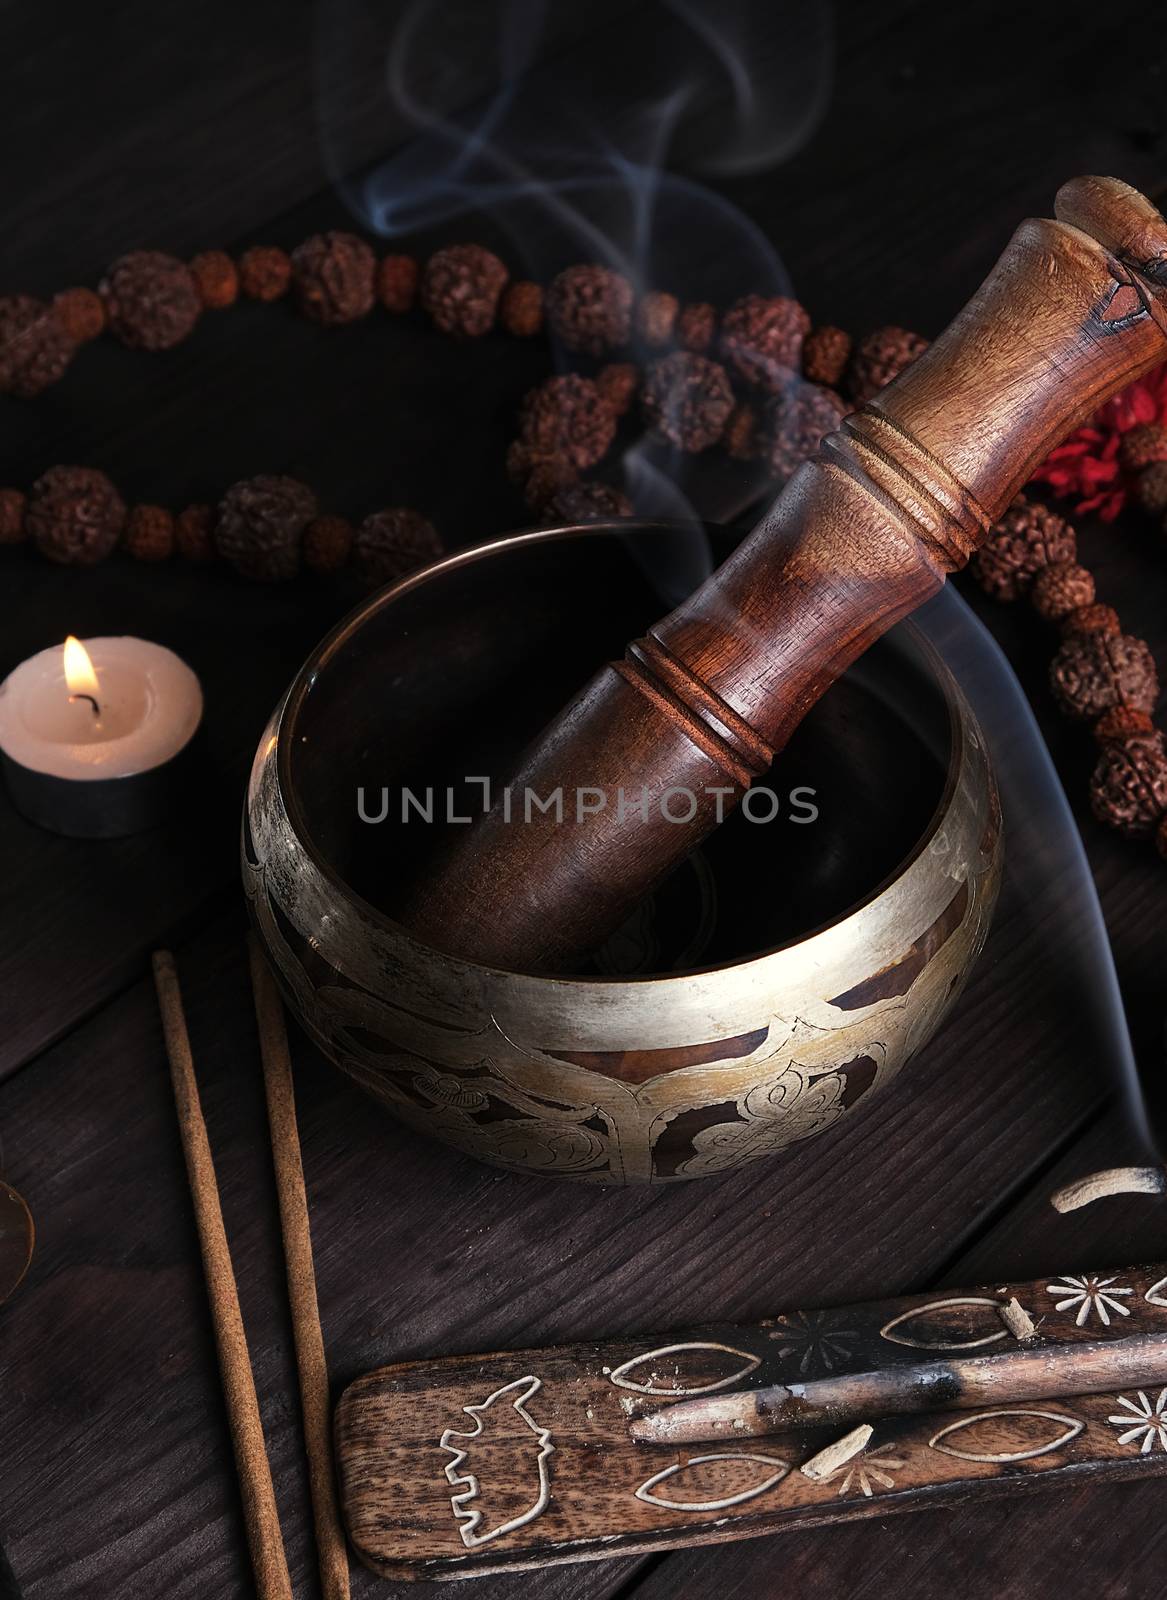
1120,722
461,288
81,312
1140,447
567,416
12,528
194,533
332,274
1128,790
1060,589
216,278
1025,539
149,534
396,282
761,338
587,502
265,272
1095,618
521,309
261,524
151,300
696,326
328,543
74,515
879,358
618,383
393,543
825,352
656,317
1151,488
35,349
1094,671
800,420
687,399
742,439
538,476
589,308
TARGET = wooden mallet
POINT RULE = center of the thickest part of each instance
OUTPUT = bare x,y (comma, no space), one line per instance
897,499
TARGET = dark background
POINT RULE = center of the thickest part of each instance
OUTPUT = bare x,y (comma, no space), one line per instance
188,127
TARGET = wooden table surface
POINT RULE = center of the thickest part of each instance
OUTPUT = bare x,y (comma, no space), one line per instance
940,129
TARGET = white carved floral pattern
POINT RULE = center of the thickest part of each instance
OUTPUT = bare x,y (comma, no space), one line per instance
1143,1421
1092,1293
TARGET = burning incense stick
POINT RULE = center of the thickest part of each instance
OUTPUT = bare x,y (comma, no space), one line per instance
1091,1367
261,1515
331,1550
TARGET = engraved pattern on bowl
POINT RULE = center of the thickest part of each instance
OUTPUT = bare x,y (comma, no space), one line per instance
490,1061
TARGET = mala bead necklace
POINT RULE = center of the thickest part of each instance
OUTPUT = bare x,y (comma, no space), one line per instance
1099,674
268,527
800,381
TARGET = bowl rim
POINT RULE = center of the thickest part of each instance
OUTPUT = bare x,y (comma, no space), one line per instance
959,715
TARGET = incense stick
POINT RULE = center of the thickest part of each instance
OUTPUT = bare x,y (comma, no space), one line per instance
261,1515
331,1550
1030,1373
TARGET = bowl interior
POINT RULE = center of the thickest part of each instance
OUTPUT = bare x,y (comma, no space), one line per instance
447,679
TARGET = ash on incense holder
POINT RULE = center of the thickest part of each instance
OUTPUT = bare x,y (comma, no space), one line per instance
769,988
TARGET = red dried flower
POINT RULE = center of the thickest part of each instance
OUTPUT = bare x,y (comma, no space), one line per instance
1088,466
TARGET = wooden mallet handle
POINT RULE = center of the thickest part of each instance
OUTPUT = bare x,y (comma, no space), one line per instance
897,498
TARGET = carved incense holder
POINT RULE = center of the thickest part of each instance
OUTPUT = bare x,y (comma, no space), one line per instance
501,1462
773,987
898,498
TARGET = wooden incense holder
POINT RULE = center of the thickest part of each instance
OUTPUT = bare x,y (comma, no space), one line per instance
500,1462
897,499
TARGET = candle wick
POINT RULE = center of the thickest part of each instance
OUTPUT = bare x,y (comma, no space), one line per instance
92,702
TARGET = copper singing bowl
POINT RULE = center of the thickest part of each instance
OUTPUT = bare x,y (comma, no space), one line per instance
780,978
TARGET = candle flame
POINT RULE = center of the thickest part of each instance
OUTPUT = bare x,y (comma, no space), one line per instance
79,673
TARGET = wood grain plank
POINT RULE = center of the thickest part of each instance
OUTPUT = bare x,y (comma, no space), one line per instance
132,135
1039,1547
115,1412
116,1479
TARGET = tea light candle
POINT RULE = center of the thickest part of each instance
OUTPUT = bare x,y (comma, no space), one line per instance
91,735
